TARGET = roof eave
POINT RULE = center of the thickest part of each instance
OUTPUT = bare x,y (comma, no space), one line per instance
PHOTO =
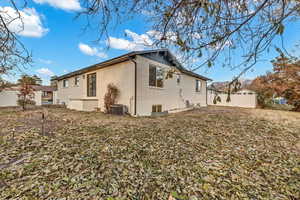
95,67
126,57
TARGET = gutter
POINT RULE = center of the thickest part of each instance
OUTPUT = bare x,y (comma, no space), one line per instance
135,84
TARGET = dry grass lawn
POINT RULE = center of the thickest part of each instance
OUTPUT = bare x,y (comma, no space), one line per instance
210,153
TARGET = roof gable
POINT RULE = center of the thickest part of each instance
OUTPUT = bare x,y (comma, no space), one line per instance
165,57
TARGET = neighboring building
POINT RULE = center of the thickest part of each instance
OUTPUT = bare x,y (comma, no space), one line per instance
42,95
47,93
140,77
243,98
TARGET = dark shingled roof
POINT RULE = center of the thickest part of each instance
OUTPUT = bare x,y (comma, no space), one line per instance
43,88
129,56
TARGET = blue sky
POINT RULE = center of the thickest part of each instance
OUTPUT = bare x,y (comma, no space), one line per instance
59,45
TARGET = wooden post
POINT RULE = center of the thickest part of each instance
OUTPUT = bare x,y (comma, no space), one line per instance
43,120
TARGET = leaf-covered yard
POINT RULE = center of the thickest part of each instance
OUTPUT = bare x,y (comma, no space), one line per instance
211,153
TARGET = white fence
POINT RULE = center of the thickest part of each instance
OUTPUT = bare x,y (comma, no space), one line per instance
9,98
244,98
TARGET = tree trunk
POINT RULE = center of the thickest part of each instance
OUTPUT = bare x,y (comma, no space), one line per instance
24,103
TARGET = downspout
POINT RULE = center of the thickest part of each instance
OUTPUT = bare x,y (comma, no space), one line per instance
206,93
135,84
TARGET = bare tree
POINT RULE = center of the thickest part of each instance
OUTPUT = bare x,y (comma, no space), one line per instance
13,54
203,29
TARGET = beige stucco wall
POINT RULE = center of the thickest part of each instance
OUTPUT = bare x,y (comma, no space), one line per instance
240,99
75,104
83,104
63,95
121,75
90,105
171,96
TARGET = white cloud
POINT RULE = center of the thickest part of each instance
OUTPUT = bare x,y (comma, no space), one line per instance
91,51
142,39
169,36
155,34
123,44
137,42
45,72
30,24
69,5
44,61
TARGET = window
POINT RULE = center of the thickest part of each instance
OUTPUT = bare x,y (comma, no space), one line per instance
44,94
76,82
198,86
156,76
178,78
156,108
65,83
91,85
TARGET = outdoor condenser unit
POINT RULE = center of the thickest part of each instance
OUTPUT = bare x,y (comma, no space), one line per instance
118,109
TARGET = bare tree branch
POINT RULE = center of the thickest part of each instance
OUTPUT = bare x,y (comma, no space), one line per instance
13,54
206,30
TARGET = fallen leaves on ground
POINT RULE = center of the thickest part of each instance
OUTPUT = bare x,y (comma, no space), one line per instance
210,153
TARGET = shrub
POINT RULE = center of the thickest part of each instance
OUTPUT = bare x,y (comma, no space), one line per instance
110,97
217,99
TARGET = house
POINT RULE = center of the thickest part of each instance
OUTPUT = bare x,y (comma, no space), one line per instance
141,79
47,93
42,95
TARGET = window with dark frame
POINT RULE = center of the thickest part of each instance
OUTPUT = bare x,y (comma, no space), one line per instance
76,81
65,83
156,108
156,76
91,85
198,85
